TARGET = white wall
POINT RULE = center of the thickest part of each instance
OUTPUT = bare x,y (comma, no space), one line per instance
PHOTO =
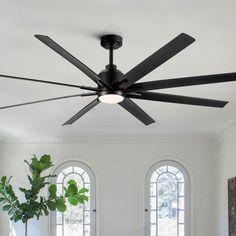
120,167
1,174
225,168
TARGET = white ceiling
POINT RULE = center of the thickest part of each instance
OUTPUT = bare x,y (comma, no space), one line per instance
145,25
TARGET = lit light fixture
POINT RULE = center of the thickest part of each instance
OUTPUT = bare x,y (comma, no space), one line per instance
111,97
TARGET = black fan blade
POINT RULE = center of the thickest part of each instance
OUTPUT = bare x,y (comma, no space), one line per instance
47,100
50,82
161,97
136,111
155,60
82,112
186,81
62,52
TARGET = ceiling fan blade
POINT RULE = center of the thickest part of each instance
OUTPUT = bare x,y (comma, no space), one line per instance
62,52
50,82
136,111
186,81
82,112
161,97
159,57
47,100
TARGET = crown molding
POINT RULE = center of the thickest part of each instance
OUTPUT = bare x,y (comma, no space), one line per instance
224,131
161,139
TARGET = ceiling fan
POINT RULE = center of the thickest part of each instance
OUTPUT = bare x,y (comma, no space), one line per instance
115,87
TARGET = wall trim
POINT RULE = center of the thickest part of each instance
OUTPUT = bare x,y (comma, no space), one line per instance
227,129
164,139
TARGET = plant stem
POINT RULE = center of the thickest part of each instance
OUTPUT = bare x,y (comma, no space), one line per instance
26,228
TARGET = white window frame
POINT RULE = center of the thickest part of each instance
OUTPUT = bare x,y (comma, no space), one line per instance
184,171
88,170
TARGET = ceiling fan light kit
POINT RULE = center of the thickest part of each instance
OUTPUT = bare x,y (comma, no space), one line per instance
115,87
111,97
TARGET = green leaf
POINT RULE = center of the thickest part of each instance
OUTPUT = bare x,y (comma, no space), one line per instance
72,190
3,179
45,210
30,180
23,190
83,190
52,205
82,198
60,205
34,163
45,158
2,199
53,191
27,162
6,207
73,200
72,182
28,193
85,198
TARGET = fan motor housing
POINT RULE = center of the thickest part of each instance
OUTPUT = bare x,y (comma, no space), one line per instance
110,74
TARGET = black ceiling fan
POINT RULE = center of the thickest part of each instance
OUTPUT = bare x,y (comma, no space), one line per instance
115,87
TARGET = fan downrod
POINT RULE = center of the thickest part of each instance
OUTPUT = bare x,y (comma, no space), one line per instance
111,41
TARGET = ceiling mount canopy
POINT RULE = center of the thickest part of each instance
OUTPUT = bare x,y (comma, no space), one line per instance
113,86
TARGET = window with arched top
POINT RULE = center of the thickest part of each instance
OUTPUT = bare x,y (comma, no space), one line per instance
77,220
167,200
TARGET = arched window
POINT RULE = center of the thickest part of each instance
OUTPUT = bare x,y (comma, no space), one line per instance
167,200
79,220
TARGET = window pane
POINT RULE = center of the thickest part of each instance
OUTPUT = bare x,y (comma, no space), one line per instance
86,177
172,170
75,177
153,217
153,203
167,200
161,170
87,230
59,230
78,170
88,187
68,170
153,189
181,230
59,189
180,177
87,206
167,227
73,221
76,221
181,203
87,217
181,189
60,178
167,205
153,230
181,216
154,177
59,218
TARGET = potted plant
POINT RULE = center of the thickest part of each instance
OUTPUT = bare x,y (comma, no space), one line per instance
35,205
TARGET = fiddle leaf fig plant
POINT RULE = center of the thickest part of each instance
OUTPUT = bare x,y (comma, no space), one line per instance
36,205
